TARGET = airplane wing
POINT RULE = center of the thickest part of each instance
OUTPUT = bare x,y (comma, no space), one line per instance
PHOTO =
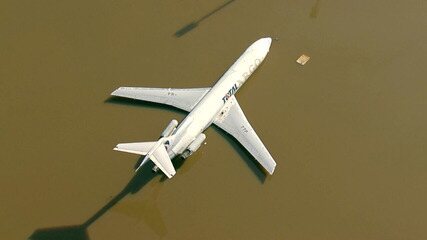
182,98
234,122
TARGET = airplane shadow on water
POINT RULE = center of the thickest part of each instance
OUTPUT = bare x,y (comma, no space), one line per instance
196,23
136,183
79,232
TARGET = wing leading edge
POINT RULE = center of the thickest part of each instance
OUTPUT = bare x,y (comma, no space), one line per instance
182,98
233,121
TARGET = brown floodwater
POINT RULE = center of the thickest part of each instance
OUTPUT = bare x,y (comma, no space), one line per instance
347,130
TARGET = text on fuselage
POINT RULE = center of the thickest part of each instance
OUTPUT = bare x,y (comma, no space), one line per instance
245,75
230,93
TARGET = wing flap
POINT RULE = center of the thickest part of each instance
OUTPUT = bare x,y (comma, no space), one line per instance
234,122
182,98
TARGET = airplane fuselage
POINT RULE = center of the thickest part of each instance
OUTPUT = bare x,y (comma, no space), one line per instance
214,103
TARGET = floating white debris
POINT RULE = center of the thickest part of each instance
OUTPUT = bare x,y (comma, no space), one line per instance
303,59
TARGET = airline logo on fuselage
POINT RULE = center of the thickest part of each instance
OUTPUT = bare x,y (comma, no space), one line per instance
230,93
241,79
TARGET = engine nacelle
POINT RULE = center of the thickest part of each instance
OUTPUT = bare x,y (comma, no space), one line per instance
197,143
194,145
169,129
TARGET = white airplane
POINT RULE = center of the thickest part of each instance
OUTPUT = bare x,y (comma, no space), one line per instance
215,105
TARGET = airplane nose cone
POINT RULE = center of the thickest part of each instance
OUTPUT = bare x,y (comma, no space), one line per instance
263,44
266,42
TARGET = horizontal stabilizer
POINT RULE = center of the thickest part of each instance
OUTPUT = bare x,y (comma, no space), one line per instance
155,151
161,158
141,148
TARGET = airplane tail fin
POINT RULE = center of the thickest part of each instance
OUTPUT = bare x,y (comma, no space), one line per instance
154,151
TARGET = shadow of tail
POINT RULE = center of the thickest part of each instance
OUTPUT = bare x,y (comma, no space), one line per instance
194,24
78,232
186,29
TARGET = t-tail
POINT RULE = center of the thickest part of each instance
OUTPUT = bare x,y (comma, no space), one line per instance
154,151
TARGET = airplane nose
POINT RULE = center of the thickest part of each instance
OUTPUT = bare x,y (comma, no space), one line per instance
263,44
267,42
